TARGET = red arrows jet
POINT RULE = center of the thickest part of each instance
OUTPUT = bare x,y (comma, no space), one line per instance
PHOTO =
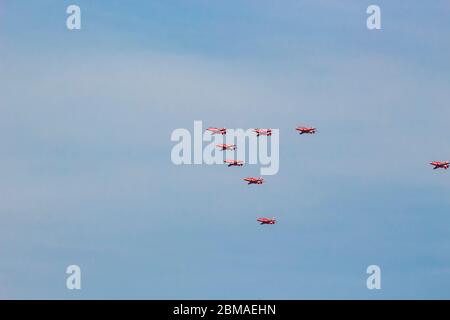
254,180
214,130
440,164
263,132
266,220
237,163
303,130
224,147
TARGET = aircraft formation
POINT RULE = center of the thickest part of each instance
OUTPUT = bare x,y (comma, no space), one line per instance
268,132
240,163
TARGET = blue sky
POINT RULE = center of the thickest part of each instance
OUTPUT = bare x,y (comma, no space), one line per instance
86,177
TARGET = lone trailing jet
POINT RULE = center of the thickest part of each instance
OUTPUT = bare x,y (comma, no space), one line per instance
303,130
440,164
214,130
224,147
254,180
237,163
263,132
266,220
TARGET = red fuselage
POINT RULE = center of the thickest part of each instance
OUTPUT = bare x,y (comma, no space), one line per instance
254,180
263,132
217,130
309,130
226,146
440,164
266,220
237,163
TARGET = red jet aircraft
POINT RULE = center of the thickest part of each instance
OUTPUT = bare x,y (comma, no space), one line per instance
263,132
254,180
214,130
237,163
303,130
440,164
224,147
266,220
